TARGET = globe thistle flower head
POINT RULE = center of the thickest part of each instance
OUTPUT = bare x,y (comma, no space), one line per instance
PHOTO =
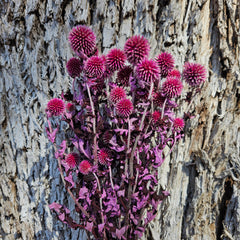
158,98
124,108
194,74
74,67
165,62
156,116
117,94
104,156
148,70
123,76
172,87
56,107
136,49
72,159
94,67
85,167
82,40
70,107
178,124
115,59
107,136
174,73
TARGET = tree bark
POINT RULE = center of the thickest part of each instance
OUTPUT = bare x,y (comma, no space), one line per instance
203,172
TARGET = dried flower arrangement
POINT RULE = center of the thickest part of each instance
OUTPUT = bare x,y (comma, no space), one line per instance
120,112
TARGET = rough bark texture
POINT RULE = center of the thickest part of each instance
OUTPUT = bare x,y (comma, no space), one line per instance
203,173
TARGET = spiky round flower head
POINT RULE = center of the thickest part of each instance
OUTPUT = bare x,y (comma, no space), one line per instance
74,67
158,98
85,167
117,94
178,124
94,67
123,75
70,107
107,136
172,87
72,159
82,40
165,62
148,70
116,59
174,73
136,49
156,116
104,156
56,106
124,107
194,74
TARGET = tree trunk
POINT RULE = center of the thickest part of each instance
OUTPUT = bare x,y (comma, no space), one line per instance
203,172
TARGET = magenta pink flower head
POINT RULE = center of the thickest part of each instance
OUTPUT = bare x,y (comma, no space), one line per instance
165,62
123,75
174,73
115,59
117,94
158,98
148,70
194,74
85,167
104,156
136,49
124,108
56,106
172,87
74,67
178,124
72,159
156,116
82,40
94,67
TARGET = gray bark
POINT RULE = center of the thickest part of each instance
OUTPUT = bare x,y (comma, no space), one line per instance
202,174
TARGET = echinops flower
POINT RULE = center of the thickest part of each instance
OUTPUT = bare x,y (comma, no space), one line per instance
148,70
165,62
117,94
82,40
124,108
56,106
85,167
194,74
178,124
136,49
172,87
94,67
72,159
74,67
115,59
123,75
104,156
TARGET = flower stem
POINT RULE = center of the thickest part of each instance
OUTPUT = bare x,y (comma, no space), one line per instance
101,207
94,125
62,177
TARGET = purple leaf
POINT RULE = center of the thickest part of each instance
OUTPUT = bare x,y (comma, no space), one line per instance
62,150
55,206
121,193
100,227
121,131
89,226
82,192
51,136
69,178
120,232
62,217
